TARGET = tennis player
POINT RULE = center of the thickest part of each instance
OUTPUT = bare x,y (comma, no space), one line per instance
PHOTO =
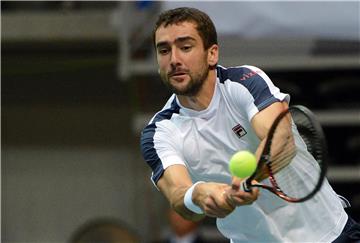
213,113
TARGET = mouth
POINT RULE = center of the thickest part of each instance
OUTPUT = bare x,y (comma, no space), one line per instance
178,75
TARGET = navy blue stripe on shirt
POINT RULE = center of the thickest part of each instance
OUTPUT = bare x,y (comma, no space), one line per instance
252,81
147,141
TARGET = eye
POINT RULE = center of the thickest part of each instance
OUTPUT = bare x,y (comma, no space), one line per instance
186,48
163,51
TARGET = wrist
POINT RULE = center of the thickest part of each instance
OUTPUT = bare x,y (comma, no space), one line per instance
188,202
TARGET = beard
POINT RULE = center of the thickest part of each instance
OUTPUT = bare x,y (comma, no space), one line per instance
193,86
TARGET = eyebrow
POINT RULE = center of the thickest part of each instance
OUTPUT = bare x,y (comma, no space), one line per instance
177,40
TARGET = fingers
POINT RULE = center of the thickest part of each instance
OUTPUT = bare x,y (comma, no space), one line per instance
236,182
238,197
219,200
212,200
218,208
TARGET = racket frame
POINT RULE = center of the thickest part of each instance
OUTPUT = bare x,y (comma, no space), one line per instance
264,161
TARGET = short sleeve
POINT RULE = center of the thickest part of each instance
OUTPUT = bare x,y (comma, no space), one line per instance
160,148
253,90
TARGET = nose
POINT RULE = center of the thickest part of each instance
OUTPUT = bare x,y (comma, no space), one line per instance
174,58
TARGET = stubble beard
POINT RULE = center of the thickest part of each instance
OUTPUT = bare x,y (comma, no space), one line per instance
194,85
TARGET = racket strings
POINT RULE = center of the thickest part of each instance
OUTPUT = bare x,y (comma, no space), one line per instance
297,180
293,157
279,161
309,133
302,178
282,151
289,179
313,145
290,183
285,155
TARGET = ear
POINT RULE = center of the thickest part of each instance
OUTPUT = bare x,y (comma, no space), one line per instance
213,55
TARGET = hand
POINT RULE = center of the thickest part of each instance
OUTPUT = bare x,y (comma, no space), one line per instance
237,197
211,197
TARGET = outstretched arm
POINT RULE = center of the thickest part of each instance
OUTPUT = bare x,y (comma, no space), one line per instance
173,184
212,198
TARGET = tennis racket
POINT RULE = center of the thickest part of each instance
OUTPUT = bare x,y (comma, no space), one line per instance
294,180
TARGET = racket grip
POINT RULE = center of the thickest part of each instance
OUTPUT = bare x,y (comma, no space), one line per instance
245,187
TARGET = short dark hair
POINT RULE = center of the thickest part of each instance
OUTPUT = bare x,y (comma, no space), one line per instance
204,24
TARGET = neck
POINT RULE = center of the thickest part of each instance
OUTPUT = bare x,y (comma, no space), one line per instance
202,99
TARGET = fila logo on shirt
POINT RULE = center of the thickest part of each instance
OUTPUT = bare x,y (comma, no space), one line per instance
239,131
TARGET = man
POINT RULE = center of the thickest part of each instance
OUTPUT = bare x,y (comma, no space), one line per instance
189,142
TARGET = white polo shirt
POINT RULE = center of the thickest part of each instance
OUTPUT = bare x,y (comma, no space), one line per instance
204,141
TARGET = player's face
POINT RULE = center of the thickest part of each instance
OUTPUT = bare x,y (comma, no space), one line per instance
183,62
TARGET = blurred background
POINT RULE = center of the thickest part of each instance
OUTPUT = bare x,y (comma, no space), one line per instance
79,81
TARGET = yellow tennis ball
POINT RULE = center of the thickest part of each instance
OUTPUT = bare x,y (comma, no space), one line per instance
242,164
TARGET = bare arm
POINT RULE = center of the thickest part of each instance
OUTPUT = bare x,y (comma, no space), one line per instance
263,120
173,184
210,197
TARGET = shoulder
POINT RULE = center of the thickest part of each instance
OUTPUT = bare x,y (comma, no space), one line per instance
250,78
246,79
249,86
245,75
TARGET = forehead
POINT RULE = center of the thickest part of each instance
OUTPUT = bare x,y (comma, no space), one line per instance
173,31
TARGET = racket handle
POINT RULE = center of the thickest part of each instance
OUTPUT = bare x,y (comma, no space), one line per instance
245,186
